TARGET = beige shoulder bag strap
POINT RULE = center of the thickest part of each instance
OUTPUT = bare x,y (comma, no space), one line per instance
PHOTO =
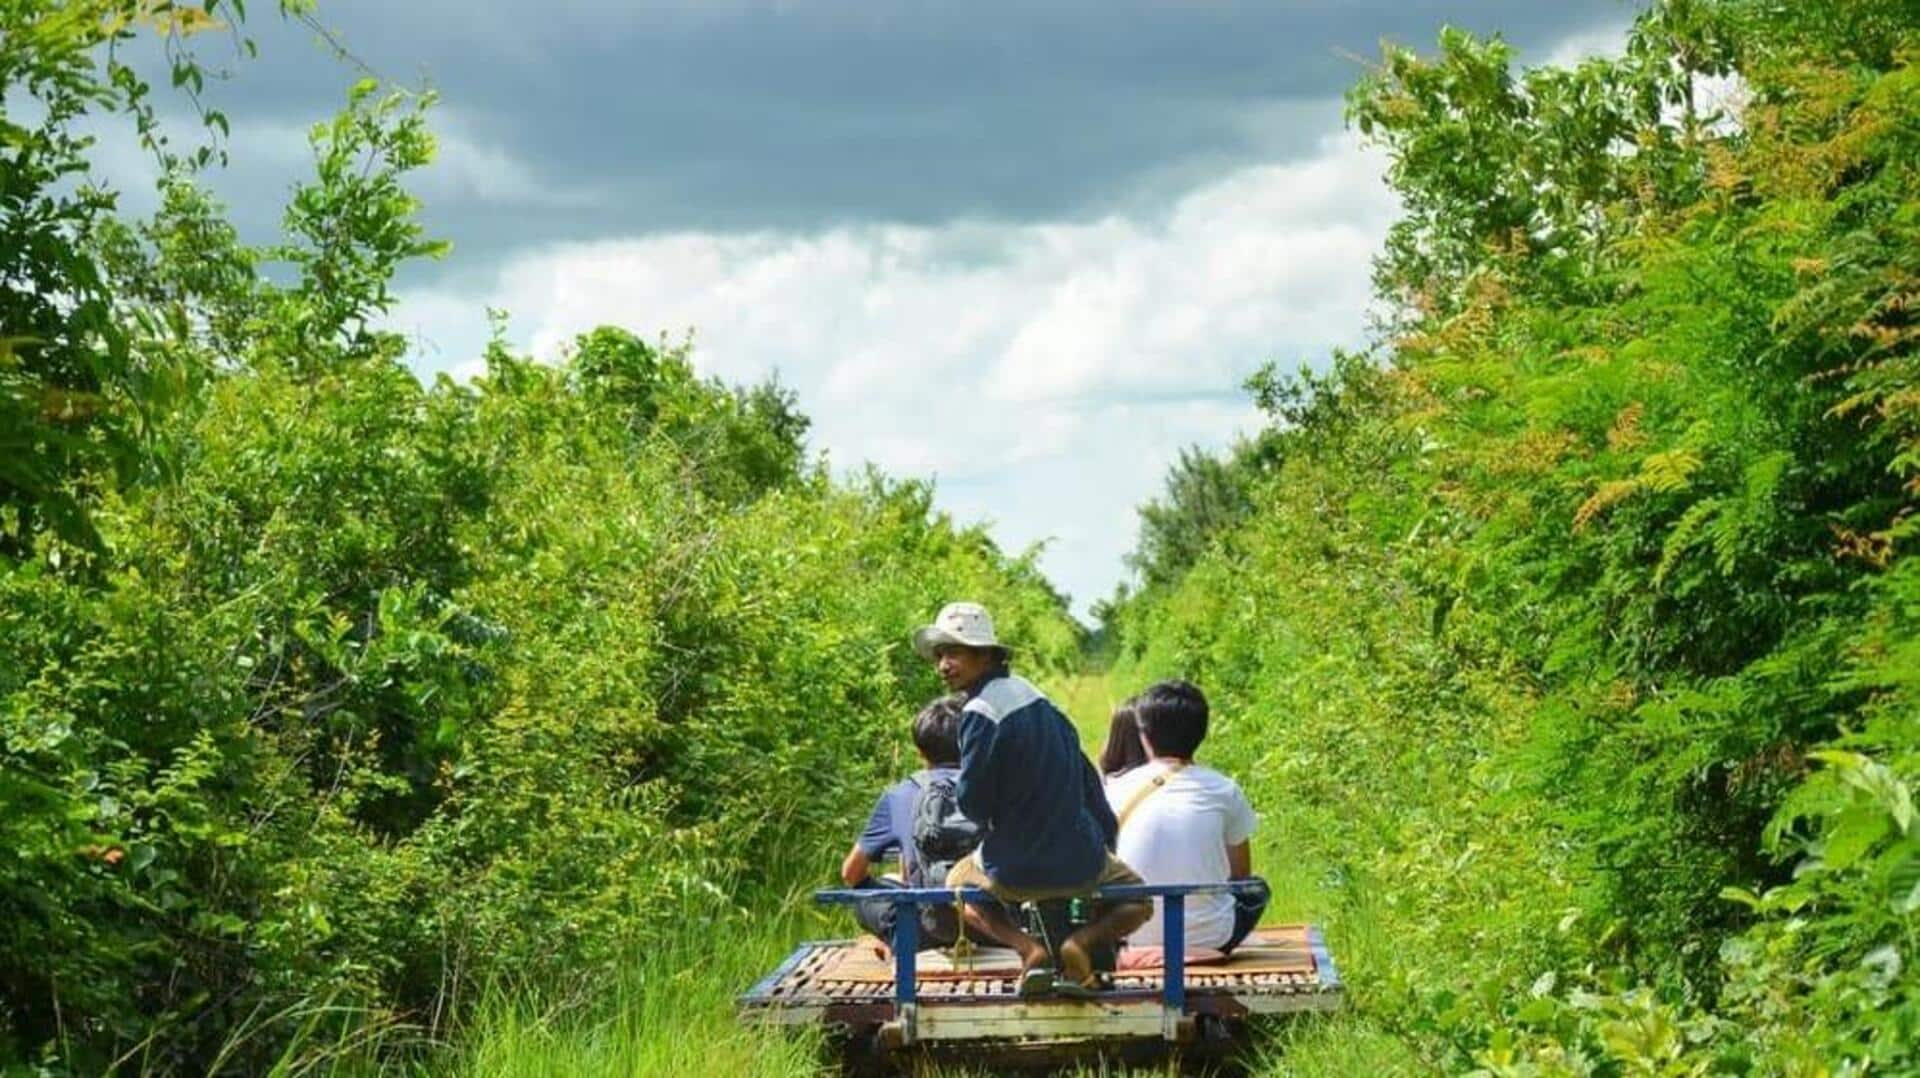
1146,791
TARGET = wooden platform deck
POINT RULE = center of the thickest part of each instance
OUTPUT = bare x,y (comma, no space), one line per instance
850,982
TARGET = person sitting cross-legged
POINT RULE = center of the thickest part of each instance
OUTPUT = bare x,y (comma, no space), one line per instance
1048,829
1181,822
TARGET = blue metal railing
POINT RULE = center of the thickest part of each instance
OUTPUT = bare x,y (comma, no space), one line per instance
906,931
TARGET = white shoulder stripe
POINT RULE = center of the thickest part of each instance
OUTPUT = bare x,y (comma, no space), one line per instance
1003,697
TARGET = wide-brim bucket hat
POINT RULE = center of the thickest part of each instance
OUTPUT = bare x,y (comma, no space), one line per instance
965,624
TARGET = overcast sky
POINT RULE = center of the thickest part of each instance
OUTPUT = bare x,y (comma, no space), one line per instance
1027,249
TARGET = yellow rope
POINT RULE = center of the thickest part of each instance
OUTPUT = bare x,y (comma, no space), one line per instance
962,945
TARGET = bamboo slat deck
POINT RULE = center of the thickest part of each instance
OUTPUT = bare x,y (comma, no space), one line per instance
1280,969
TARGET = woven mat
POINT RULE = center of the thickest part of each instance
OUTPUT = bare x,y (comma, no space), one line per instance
1277,949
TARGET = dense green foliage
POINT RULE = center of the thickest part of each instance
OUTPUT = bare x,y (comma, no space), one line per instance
1571,647
329,699
1567,640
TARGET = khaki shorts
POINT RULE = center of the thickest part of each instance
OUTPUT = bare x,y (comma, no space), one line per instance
968,872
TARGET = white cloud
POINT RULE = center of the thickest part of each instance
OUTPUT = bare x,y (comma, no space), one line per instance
469,169
1045,374
1605,41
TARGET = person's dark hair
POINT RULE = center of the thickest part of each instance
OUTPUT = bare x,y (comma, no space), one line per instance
1123,751
1173,715
936,730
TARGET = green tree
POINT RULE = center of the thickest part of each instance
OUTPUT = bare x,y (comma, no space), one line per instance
329,699
1571,631
80,390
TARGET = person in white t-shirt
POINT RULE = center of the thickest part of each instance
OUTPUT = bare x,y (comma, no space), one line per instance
1181,822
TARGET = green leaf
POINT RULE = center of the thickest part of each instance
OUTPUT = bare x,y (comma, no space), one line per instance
1904,884
1852,835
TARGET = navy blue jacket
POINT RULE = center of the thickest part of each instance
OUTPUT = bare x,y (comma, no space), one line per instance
1024,779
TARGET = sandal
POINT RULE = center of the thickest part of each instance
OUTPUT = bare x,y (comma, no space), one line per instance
1036,981
1076,990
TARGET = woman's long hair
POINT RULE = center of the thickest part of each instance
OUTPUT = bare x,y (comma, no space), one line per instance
1123,751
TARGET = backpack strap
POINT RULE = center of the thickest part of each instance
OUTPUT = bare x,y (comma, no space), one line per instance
920,779
1146,791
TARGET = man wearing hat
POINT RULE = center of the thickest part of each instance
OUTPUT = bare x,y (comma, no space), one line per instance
1049,831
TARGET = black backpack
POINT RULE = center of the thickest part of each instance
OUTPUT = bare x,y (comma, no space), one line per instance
941,833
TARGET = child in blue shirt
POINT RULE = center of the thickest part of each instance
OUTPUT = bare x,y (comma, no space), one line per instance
890,829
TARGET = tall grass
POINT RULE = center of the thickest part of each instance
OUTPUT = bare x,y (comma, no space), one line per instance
1347,1042
1088,700
314,1038
669,1011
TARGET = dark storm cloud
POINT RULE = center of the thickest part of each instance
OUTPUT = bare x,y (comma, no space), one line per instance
735,116
1103,215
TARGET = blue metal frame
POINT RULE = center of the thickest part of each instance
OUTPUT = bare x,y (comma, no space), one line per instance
1173,965
906,952
924,896
1173,995
1323,959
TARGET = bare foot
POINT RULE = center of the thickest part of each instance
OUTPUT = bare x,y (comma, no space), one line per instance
1033,955
1076,965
